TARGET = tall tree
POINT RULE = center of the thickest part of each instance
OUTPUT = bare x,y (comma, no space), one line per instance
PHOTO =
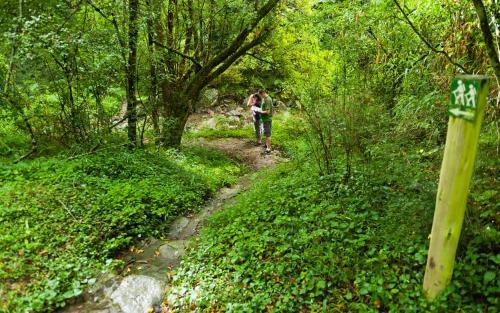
133,9
191,36
488,37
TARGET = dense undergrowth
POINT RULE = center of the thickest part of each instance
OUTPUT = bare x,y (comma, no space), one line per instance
63,220
300,242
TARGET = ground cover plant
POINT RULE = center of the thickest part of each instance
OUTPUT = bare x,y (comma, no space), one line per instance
63,220
342,226
300,242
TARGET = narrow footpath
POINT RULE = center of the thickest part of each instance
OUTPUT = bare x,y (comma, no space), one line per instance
151,264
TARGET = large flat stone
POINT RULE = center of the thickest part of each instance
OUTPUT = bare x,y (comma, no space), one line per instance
177,227
173,250
137,293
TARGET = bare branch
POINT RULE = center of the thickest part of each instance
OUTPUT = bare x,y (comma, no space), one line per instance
253,55
190,58
426,42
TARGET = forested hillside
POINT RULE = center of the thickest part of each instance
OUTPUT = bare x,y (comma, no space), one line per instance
131,179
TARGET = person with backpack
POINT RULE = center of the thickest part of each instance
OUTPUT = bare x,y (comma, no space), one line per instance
266,116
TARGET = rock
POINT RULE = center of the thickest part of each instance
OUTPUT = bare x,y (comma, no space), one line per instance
137,293
174,250
221,109
232,113
233,119
208,97
211,123
239,111
229,103
177,226
280,105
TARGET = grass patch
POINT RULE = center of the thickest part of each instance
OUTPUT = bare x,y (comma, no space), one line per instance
64,220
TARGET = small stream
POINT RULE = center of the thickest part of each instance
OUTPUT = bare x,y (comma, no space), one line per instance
151,263
149,266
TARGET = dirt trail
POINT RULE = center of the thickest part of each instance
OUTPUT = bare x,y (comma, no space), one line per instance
150,265
242,150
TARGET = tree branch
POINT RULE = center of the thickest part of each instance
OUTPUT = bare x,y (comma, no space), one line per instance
229,61
240,39
205,74
426,42
488,37
253,55
371,33
190,58
115,25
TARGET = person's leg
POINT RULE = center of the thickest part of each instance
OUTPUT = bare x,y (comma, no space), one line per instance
258,131
267,133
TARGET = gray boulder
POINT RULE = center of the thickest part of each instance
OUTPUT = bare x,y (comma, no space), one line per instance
137,293
173,250
208,98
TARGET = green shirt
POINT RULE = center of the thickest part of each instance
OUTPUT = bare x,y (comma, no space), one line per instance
267,105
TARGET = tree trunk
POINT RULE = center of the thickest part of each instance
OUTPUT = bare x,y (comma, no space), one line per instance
181,88
488,37
172,130
153,89
176,112
132,73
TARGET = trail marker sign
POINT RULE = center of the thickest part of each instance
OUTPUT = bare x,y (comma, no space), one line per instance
467,106
464,96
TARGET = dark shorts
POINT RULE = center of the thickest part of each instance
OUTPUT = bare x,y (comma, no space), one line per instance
267,128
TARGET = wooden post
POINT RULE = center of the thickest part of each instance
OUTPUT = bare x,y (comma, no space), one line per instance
467,103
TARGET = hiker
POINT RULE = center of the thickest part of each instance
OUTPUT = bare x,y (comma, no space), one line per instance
255,102
266,116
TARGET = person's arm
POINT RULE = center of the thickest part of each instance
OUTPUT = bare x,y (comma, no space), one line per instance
249,102
256,109
266,106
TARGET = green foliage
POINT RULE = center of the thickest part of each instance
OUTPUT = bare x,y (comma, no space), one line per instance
351,240
11,139
62,219
302,242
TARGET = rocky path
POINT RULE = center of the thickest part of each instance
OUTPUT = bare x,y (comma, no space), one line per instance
150,265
